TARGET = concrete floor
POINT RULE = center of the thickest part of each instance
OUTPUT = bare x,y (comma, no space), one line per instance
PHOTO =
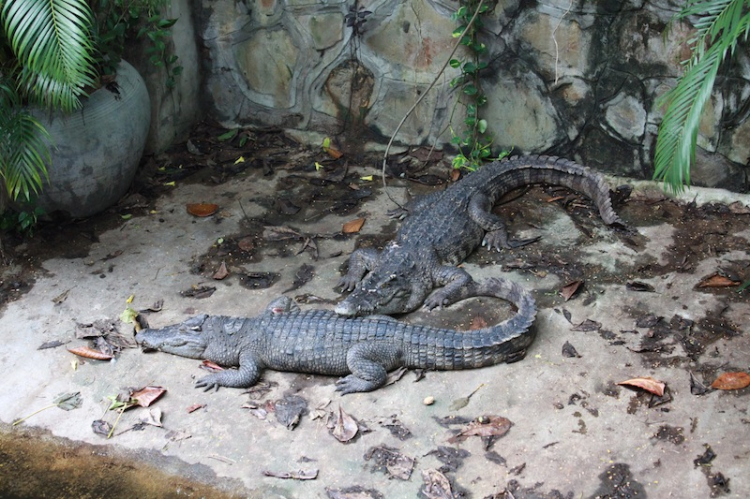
575,433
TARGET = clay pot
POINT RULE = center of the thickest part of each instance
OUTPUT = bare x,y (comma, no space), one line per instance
96,150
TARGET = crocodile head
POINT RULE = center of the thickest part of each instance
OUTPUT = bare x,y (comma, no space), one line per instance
185,339
397,286
378,294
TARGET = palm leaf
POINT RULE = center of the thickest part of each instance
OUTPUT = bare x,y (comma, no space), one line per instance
720,25
51,39
23,151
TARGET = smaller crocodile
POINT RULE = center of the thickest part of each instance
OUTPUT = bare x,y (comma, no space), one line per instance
443,228
284,338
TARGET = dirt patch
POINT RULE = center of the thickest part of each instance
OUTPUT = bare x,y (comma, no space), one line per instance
82,470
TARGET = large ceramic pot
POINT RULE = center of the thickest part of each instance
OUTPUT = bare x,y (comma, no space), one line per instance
96,150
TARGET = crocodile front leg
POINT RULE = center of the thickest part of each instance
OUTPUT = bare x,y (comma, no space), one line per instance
247,375
361,261
456,283
496,237
369,364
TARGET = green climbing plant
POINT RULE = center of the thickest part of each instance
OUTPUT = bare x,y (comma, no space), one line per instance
720,25
474,143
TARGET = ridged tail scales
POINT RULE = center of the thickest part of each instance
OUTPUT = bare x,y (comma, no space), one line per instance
503,342
508,174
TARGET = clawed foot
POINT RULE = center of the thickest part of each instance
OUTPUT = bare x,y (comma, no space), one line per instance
350,384
347,283
208,383
398,213
436,300
499,240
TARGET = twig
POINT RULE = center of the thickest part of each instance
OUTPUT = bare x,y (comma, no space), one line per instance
554,39
413,107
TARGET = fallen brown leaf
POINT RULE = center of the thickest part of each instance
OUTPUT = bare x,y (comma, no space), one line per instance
717,281
646,383
195,407
436,485
353,226
485,426
89,353
147,395
222,272
732,381
570,289
211,366
246,243
343,427
334,153
202,209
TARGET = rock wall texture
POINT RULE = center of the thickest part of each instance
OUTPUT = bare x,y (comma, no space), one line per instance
572,77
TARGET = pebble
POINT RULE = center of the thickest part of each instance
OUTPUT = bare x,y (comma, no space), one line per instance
428,400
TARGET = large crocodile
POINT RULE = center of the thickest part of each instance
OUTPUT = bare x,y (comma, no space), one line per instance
321,342
443,228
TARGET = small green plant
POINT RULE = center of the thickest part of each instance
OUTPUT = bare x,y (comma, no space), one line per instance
21,220
474,145
720,24
116,20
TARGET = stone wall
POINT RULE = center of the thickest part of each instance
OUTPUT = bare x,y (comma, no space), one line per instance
571,77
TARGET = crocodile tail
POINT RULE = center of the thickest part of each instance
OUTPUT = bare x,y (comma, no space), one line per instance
560,171
508,340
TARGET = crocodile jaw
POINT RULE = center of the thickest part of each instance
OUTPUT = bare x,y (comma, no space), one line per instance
185,343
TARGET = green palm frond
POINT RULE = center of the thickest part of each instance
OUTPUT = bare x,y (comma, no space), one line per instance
720,24
51,39
23,151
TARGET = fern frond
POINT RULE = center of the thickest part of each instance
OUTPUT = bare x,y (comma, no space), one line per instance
52,42
720,25
23,151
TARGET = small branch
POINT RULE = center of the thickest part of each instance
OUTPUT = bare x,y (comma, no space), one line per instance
554,39
413,107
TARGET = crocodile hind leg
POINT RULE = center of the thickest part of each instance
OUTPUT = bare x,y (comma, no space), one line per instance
369,364
496,237
361,261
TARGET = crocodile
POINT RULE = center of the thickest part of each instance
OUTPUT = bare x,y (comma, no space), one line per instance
285,338
441,229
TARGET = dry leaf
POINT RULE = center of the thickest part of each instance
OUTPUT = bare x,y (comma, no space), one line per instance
455,175
222,272
717,281
353,226
334,153
211,366
647,383
246,243
485,426
147,395
570,289
195,407
61,297
150,416
436,485
293,475
732,381
202,209
89,353
344,427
